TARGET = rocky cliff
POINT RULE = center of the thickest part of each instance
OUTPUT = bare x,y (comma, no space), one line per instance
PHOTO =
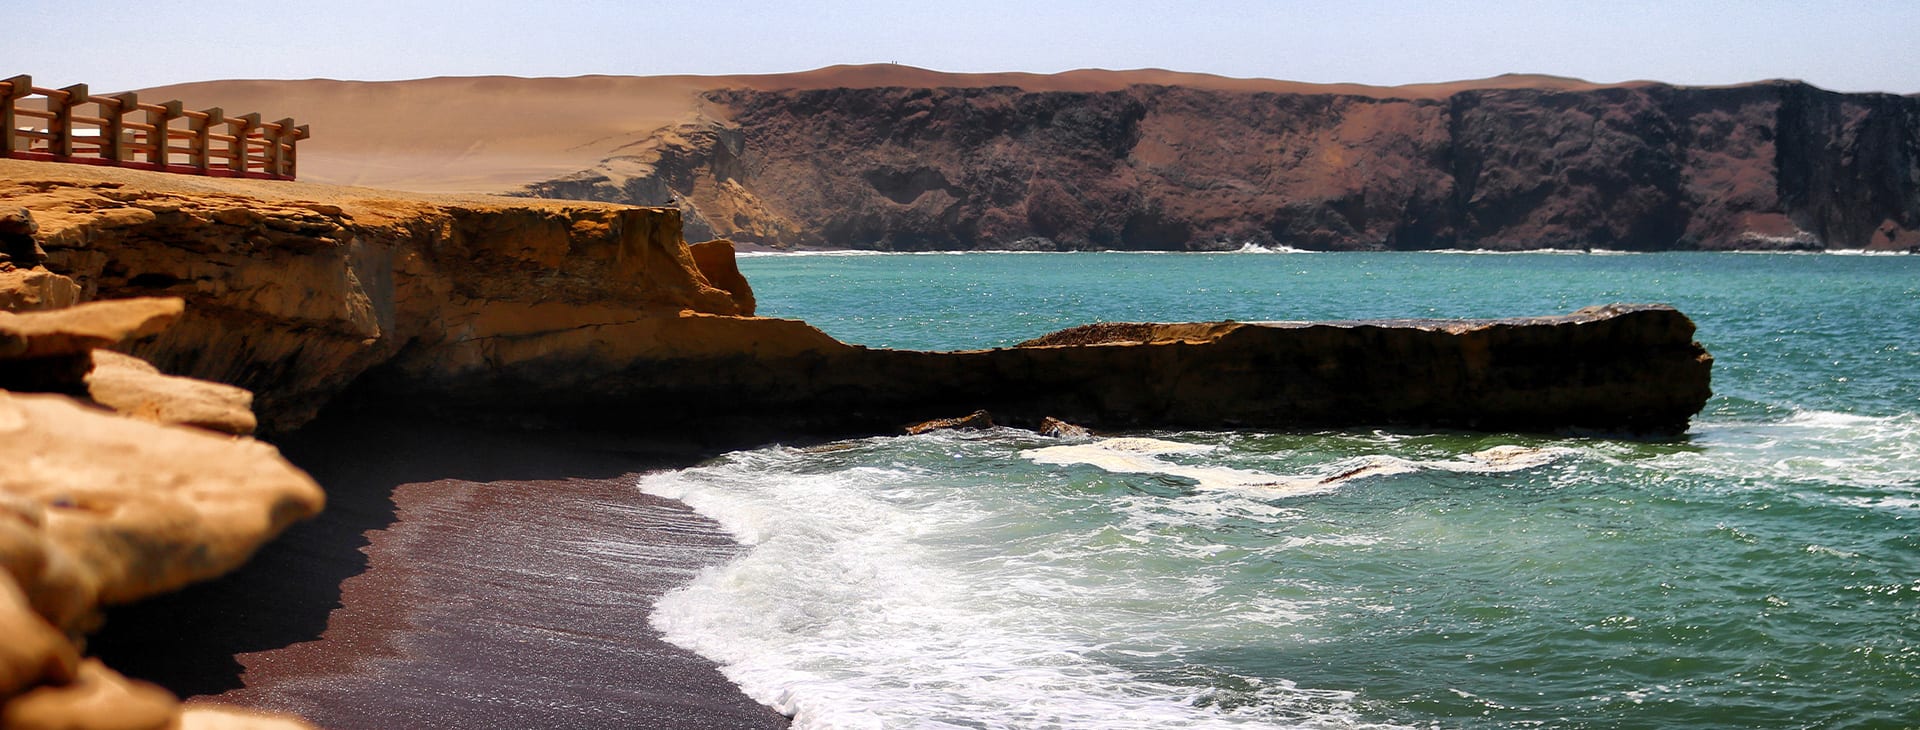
294,296
1150,166
594,312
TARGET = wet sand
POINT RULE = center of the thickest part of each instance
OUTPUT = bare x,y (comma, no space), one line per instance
458,579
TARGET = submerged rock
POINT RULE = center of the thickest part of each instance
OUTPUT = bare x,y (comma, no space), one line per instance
972,421
1057,428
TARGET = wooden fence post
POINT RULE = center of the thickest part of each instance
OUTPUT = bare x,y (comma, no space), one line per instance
17,88
115,112
242,126
293,152
203,138
162,120
280,161
62,109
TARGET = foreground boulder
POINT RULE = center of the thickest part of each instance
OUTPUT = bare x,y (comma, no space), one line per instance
98,509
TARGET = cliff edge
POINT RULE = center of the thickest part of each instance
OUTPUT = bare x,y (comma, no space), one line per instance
899,158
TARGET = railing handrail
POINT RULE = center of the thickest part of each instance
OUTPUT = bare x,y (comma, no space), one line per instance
249,148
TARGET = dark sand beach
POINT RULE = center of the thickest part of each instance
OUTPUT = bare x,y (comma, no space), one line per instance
458,579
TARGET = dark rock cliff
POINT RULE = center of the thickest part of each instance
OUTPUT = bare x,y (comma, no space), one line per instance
1641,167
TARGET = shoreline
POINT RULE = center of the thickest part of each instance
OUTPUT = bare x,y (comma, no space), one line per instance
458,578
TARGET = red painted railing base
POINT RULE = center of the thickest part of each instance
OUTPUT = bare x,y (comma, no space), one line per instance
149,166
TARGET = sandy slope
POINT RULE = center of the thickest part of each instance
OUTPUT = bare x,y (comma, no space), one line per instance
494,133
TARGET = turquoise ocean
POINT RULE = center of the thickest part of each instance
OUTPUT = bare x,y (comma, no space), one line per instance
1762,571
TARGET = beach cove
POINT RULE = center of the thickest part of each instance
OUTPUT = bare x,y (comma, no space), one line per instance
344,303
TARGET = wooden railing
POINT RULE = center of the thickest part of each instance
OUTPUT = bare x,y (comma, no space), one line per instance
167,139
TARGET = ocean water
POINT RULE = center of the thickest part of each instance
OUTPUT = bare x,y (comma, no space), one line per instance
1761,571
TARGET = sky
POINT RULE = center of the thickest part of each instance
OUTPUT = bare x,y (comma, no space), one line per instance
113,45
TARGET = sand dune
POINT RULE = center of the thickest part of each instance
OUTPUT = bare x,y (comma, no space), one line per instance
497,133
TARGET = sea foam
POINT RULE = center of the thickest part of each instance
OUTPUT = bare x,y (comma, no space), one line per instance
1141,456
875,595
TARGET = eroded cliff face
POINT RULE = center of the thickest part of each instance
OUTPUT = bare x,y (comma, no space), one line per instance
597,313
295,298
1637,167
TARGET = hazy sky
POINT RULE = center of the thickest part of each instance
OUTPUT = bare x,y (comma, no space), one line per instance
1847,45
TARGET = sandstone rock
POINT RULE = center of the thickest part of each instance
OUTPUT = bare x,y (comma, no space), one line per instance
207,716
1131,333
108,510
17,244
48,351
35,652
1624,369
1057,428
972,421
716,262
26,290
77,330
96,509
98,698
134,387
599,314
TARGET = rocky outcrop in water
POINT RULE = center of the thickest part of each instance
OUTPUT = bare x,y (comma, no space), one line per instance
601,314
1776,165
1617,369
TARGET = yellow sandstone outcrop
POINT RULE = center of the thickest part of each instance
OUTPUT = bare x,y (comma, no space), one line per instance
134,387
81,329
97,508
293,291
